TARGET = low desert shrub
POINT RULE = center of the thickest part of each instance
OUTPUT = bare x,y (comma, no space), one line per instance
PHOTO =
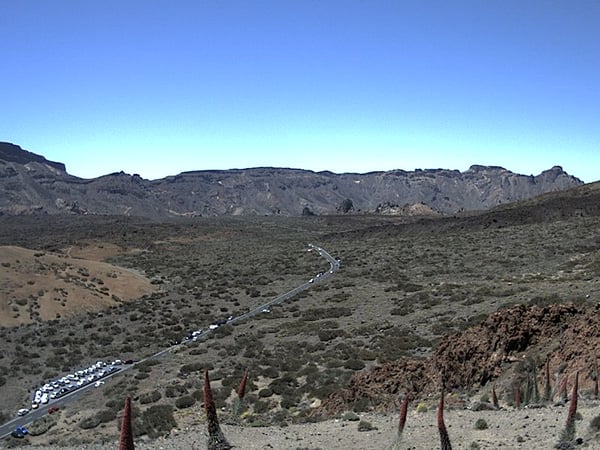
481,424
175,390
595,424
364,425
155,421
42,425
185,402
192,367
150,397
89,422
265,392
106,415
354,364
353,417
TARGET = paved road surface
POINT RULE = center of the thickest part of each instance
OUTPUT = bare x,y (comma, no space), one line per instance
8,427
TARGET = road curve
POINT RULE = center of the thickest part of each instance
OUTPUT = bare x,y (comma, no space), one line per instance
334,266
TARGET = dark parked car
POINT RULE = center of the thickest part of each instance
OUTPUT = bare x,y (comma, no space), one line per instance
19,432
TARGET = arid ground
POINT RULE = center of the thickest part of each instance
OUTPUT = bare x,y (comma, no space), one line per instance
409,311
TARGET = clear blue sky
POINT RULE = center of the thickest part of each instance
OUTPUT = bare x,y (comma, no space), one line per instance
160,87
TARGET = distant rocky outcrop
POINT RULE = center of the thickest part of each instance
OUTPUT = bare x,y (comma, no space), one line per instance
13,153
30,184
416,209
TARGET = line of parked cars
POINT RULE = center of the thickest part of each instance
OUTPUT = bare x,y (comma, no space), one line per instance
57,388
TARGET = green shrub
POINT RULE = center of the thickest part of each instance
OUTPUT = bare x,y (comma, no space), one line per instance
284,385
289,401
421,408
42,425
363,425
89,423
192,367
328,335
260,406
106,415
155,421
481,424
150,397
266,392
354,364
175,390
185,402
351,416
595,424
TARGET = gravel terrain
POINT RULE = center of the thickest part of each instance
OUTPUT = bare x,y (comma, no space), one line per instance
507,429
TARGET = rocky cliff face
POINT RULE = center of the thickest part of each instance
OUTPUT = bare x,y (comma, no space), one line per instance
31,184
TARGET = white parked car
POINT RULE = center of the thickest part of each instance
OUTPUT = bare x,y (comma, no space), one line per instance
23,412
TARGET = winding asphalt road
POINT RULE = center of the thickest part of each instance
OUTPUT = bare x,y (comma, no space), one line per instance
8,427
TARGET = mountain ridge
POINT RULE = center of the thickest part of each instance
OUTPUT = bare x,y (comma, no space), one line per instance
33,185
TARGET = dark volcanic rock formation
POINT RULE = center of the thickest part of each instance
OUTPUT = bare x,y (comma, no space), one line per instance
31,184
13,153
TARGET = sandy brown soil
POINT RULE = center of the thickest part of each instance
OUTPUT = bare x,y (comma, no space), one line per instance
508,429
43,285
